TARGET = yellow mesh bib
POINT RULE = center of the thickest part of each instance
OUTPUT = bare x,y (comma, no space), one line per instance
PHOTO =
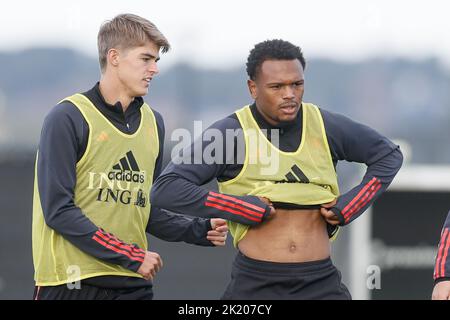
304,177
114,178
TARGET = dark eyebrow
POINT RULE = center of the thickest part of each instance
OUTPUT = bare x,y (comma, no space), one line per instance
148,55
282,84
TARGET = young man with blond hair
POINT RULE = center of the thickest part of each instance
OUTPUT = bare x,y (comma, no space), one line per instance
98,156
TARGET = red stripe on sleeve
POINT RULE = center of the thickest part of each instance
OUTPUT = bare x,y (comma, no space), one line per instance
363,190
439,256
444,258
217,206
121,245
130,247
235,206
126,253
252,206
363,201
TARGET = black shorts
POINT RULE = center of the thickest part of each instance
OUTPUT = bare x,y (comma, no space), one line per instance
314,280
89,292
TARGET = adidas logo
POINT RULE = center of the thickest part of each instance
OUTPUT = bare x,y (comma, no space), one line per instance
125,165
127,170
295,175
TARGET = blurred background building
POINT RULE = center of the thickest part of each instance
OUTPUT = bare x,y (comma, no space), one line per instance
381,63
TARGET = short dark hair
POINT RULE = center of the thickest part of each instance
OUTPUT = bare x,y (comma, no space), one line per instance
276,49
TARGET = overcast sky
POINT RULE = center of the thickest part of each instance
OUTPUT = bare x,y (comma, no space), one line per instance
221,33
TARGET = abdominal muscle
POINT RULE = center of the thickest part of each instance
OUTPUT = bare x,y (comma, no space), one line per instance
289,236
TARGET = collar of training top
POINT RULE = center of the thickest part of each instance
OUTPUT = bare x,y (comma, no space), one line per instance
95,93
286,126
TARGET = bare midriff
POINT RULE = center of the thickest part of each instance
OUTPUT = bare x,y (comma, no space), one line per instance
289,236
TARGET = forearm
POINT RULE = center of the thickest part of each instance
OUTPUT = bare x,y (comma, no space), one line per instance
173,192
76,228
377,179
174,227
355,142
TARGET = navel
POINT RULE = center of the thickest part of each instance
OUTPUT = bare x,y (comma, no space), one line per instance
292,247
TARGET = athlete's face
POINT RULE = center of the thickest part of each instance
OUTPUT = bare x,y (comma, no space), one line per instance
136,68
278,90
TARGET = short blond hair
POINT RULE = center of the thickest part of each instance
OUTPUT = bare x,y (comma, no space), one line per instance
127,31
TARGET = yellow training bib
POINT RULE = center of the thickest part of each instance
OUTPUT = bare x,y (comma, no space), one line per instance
304,177
114,178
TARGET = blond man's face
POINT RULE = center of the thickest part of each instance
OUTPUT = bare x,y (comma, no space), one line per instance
136,67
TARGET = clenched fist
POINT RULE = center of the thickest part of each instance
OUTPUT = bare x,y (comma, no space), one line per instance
329,215
441,291
269,203
151,265
218,234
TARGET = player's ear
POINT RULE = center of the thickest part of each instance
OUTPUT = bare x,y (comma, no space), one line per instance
252,88
113,57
